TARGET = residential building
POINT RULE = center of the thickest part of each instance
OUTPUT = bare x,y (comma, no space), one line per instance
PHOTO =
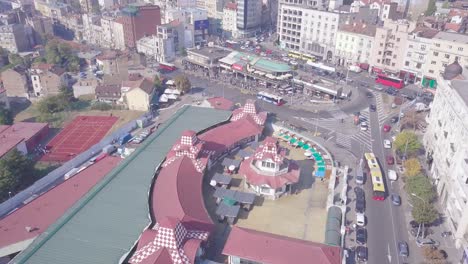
85,87
110,93
445,48
47,79
138,95
105,4
113,63
251,246
268,172
87,5
195,22
388,51
457,21
354,43
249,17
139,21
23,136
417,51
446,144
113,33
165,44
229,20
15,82
41,27
308,30
13,38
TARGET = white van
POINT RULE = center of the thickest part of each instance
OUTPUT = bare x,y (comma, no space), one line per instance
392,175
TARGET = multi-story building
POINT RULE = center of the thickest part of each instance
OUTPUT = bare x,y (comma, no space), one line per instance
445,48
308,30
41,27
163,46
87,5
139,21
13,38
389,46
230,20
15,82
417,50
47,79
446,143
354,43
249,17
113,33
105,4
195,22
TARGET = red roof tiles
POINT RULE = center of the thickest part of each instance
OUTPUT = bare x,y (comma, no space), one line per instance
274,249
47,208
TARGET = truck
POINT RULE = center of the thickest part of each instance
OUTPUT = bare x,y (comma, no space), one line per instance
109,149
125,138
355,68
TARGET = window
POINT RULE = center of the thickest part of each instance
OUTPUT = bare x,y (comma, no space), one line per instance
460,49
410,46
447,56
406,63
378,61
436,53
423,47
408,54
437,44
431,71
398,39
418,66
450,46
433,62
393,64
380,53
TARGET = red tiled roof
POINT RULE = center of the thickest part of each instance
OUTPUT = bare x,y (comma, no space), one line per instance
42,66
452,26
178,193
220,138
220,103
274,249
47,208
278,181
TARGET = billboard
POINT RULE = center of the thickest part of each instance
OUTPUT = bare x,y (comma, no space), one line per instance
201,24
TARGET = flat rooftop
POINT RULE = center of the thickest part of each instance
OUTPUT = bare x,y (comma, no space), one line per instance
43,211
210,52
11,136
104,225
454,37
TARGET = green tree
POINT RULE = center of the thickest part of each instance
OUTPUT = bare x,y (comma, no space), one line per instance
158,84
66,94
15,59
14,170
52,104
73,64
6,116
421,186
431,8
407,142
433,255
412,167
182,83
423,212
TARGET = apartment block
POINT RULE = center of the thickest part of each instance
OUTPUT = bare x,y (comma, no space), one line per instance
446,47
139,21
13,38
389,46
354,43
249,17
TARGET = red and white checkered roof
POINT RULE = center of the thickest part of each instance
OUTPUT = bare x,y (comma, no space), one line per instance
189,145
269,149
250,109
172,239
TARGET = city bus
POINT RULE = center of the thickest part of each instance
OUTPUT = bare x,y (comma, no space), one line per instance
308,57
167,66
389,81
295,55
270,98
378,186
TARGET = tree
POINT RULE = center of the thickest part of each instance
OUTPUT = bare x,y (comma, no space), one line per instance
431,8
433,255
15,59
158,84
421,186
66,94
412,167
6,116
407,142
182,83
14,169
423,212
52,104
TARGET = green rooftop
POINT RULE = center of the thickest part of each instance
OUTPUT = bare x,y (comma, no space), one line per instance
105,224
262,64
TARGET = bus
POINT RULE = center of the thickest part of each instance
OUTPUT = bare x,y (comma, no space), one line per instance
301,56
389,81
295,55
308,57
167,66
270,98
378,186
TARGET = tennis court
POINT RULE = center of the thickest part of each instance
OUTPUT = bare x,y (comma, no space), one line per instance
82,133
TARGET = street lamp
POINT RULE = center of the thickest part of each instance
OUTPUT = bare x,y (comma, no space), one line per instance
424,204
9,195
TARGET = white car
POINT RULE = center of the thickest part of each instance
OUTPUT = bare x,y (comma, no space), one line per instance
364,126
293,62
360,219
387,144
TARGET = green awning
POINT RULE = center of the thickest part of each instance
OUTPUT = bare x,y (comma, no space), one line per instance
320,163
287,137
305,147
293,140
229,201
333,227
320,168
300,144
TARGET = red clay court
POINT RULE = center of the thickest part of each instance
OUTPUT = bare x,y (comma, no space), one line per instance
82,133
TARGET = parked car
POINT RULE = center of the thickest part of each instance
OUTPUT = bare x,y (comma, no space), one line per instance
372,108
369,95
360,219
421,242
387,144
403,249
360,179
387,128
360,205
359,193
394,119
361,253
361,235
390,160
364,126
396,199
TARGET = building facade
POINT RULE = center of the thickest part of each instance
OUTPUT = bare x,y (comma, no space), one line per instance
446,143
13,38
15,82
47,79
308,30
354,43
249,17
229,24
139,21
389,46
417,51
446,47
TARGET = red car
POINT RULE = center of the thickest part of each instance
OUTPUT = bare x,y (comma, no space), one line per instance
387,128
390,160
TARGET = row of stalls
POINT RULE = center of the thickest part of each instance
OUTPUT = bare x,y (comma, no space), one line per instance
170,95
322,166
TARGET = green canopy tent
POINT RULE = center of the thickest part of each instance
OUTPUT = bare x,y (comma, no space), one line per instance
306,147
293,140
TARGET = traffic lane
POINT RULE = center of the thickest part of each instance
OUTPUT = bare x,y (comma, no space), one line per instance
383,240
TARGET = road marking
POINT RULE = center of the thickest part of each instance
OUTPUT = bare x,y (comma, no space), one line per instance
389,256
330,138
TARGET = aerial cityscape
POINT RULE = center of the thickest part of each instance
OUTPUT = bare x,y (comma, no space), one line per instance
234,131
